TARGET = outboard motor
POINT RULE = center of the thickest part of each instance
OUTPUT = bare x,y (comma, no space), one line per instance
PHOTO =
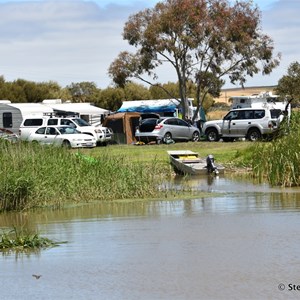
210,165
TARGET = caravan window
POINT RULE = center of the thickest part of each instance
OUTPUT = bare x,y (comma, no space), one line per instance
7,120
33,122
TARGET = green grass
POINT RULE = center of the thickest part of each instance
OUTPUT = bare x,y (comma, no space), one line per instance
33,176
223,152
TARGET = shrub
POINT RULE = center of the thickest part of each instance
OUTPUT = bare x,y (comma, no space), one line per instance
279,160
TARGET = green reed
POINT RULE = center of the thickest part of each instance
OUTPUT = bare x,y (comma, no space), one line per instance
279,160
20,239
36,176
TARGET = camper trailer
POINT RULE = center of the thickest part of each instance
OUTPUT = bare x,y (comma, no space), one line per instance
12,114
264,99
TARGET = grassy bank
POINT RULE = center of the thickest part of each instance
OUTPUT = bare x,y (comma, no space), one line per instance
35,176
226,153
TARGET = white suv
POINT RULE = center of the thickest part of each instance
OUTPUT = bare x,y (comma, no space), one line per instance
249,123
102,134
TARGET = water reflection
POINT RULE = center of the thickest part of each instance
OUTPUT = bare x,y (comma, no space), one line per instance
229,195
238,242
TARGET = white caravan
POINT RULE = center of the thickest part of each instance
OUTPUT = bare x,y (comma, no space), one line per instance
12,114
263,100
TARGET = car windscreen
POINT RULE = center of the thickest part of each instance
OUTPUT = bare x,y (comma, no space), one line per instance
81,122
67,130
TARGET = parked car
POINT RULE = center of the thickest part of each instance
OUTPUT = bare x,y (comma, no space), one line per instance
162,130
66,136
103,135
249,123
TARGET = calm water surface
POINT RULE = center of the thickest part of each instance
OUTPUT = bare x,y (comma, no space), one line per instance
243,244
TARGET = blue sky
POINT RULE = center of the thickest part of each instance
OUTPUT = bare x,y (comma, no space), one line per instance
75,40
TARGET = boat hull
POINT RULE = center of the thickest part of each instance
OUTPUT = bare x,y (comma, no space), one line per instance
188,162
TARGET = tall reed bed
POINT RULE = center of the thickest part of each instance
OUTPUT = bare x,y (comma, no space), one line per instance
279,160
35,176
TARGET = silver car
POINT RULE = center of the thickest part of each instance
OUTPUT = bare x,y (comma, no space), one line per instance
249,123
164,130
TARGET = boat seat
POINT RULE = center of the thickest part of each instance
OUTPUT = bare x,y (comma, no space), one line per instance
188,157
187,160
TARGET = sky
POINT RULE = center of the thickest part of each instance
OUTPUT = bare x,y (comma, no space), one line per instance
70,41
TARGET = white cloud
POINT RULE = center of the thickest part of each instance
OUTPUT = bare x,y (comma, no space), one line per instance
65,41
73,41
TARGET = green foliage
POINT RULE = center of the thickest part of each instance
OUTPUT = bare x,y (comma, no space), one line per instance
134,91
111,98
83,92
159,91
22,90
36,176
205,41
279,160
289,85
15,191
20,239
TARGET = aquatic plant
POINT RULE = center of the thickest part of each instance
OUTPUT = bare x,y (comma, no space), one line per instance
19,239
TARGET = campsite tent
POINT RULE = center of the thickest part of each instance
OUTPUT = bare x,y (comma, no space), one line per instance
123,126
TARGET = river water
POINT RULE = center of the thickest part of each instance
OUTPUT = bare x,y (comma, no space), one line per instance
242,242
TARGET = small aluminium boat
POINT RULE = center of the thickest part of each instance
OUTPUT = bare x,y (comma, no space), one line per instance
188,162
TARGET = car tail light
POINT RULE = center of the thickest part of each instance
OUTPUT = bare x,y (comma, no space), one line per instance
159,126
271,124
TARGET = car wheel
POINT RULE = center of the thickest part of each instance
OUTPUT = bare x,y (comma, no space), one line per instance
167,136
66,144
253,135
195,136
212,135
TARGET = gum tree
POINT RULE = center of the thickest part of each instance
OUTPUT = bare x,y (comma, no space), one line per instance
289,84
202,40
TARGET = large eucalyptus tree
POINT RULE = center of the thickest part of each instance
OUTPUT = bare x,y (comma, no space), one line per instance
203,40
